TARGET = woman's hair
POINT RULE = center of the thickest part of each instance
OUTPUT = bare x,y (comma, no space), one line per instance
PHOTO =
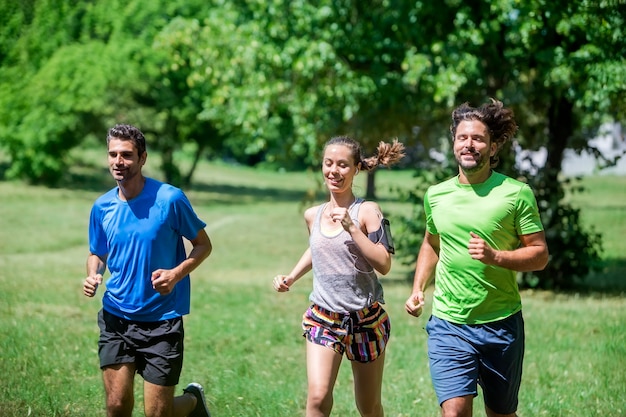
387,154
128,132
499,120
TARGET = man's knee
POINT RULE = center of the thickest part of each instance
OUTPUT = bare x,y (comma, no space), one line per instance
458,407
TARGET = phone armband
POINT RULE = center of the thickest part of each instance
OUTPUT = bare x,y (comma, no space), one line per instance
383,235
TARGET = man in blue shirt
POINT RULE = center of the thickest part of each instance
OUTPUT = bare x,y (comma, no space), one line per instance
137,230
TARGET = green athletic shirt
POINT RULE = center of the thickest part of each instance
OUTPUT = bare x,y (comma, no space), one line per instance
498,210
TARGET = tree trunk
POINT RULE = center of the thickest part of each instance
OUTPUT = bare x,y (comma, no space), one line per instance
370,191
560,129
169,169
196,158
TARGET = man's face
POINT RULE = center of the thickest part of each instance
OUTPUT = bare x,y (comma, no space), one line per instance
473,147
125,163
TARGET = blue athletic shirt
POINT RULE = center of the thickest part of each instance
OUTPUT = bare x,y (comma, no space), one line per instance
141,236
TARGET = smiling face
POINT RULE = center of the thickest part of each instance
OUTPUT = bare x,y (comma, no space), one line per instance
338,168
125,163
473,149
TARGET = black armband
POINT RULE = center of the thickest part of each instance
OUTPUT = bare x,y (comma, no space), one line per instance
383,235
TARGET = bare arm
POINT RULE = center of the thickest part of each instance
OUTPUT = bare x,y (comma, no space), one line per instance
96,266
532,255
281,283
164,280
424,272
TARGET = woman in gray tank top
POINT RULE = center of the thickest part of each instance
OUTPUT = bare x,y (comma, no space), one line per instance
349,243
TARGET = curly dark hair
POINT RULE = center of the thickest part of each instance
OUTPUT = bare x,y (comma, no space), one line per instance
500,122
128,132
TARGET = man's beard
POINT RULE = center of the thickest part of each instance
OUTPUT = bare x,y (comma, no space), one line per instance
472,167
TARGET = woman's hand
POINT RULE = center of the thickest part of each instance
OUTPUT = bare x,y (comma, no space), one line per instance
342,215
282,283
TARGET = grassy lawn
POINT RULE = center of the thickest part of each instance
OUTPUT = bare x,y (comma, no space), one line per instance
243,340
603,208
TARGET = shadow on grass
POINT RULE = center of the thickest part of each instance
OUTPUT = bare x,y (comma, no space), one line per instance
98,179
609,281
88,178
4,167
243,194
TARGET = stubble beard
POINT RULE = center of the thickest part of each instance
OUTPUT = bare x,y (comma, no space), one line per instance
471,167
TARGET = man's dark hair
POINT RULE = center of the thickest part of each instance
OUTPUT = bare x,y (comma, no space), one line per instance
499,120
128,132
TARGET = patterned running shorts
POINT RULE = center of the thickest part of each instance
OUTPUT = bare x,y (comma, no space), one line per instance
361,334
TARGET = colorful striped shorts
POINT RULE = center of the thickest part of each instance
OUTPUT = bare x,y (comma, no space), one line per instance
361,334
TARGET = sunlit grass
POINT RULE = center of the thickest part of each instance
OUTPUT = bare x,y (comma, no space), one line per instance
243,340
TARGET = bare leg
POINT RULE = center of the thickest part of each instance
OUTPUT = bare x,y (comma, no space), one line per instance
160,401
458,407
368,382
491,413
322,366
118,386
184,405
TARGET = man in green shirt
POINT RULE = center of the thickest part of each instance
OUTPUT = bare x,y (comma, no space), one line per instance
481,227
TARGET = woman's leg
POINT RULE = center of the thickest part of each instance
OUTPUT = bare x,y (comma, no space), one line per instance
368,382
322,366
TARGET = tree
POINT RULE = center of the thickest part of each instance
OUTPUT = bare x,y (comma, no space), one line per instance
100,66
269,81
575,84
555,64
42,100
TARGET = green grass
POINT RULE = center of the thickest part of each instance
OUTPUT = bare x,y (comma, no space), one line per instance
603,203
242,339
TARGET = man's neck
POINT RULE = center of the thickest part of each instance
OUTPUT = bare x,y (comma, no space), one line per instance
475,177
131,189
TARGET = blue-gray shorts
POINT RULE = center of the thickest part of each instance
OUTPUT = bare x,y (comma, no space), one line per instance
156,348
491,354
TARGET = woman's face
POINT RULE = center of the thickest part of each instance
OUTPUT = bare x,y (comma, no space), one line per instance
338,168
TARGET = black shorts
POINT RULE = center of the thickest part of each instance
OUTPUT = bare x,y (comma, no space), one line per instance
156,348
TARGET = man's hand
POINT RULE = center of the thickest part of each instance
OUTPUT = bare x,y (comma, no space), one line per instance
480,250
90,285
415,303
164,280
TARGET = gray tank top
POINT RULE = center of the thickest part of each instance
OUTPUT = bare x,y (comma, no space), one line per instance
343,280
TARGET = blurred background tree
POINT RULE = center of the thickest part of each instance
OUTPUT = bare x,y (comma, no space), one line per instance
265,83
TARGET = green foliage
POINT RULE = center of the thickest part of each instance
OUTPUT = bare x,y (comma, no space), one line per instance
269,81
58,107
411,228
574,247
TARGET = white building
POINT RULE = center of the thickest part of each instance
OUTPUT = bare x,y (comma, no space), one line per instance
611,144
